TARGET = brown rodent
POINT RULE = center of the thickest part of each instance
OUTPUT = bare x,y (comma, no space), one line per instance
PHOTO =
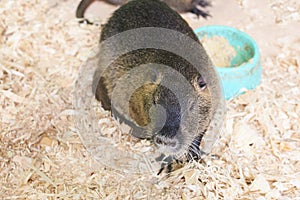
134,15
178,5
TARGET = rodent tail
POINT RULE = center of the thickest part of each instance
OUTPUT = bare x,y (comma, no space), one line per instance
84,4
82,7
81,10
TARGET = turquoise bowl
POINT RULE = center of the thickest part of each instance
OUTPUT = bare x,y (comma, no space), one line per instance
245,70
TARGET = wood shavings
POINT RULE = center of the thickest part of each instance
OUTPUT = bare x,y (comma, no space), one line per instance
42,157
244,136
12,96
260,184
286,11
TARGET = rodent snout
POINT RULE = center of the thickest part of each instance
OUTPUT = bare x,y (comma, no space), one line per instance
165,141
166,145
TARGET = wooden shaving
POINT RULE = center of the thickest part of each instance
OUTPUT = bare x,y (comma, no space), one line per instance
42,157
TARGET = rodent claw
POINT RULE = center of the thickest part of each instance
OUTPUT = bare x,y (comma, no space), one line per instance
199,12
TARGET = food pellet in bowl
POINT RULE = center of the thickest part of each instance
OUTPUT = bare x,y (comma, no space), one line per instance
219,50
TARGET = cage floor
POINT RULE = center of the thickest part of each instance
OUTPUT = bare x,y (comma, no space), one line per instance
41,157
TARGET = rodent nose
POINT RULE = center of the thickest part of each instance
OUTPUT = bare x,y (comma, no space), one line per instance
163,141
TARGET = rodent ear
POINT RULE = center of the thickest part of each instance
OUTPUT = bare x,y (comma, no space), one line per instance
192,106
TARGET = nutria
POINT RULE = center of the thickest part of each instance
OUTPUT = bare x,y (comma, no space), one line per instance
178,5
174,138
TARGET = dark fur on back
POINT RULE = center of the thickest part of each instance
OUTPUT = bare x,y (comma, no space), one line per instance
140,13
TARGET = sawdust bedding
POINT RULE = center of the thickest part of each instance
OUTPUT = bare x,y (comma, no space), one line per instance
42,157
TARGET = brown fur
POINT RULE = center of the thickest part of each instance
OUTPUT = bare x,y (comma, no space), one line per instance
137,14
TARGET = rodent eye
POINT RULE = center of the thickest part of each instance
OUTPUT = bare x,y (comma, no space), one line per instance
201,83
158,141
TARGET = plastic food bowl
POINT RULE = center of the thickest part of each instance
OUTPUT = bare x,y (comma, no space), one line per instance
244,72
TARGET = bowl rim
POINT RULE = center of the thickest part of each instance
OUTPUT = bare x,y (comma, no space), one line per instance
246,66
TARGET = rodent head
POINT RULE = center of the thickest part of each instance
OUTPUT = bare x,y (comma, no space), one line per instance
171,131
160,95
